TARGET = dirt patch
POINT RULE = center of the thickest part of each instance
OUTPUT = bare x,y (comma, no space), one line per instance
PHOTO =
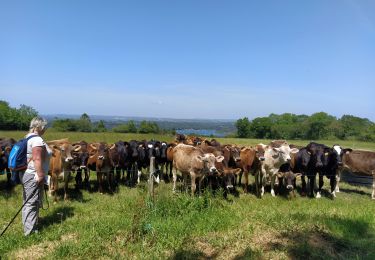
41,250
35,251
207,249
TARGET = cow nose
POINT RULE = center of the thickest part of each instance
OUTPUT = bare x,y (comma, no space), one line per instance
289,187
261,158
69,159
213,169
238,159
319,164
339,163
288,159
100,157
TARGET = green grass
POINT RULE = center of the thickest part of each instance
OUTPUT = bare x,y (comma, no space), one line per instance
114,137
129,225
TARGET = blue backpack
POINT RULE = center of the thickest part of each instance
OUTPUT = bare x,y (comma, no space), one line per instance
18,158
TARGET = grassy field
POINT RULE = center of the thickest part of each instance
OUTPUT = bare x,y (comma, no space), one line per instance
129,225
114,137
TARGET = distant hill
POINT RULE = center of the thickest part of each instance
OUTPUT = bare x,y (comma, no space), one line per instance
217,127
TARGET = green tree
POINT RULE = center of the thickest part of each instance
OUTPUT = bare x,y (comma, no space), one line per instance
148,127
15,119
25,114
319,126
100,127
65,125
261,127
243,127
131,127
84,123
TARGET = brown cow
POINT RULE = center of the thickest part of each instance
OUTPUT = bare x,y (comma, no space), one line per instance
60,165
100,161
360,163
251,160
190,160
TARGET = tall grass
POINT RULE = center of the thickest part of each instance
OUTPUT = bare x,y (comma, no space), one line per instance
128,224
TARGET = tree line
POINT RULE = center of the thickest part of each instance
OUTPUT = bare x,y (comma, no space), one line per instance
317,126
12,118
84,124
19,119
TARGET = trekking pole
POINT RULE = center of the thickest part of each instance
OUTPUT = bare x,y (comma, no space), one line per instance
36,190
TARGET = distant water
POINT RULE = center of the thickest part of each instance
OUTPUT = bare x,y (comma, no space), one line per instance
203,132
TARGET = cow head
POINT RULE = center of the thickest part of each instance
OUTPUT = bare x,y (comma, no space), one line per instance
228,178
284,152
163,150
288,179
259,151
318,154
208,160
114,154
335,155
65,150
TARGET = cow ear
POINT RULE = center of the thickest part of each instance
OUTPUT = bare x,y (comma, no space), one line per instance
200,158
298,174
219,158
347,150
276,149
294,150
280,174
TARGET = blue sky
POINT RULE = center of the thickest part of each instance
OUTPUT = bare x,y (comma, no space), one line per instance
189,59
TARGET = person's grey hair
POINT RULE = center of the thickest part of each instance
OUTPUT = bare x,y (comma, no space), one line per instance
38,123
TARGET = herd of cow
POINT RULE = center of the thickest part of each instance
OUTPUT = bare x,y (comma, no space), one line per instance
208,164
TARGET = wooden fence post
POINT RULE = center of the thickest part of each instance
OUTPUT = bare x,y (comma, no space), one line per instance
151,178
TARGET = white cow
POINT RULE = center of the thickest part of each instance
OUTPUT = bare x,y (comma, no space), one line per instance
274,158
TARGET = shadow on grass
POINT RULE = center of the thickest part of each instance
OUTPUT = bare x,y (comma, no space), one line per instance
353,190
6,190
73,195
248,253
57,216
186,254
355,241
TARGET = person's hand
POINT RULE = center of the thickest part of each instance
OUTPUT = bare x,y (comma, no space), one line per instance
40,180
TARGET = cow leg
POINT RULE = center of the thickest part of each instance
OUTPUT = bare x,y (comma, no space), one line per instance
174,179
139,174
332,182
66,183
338,177
54,187
110,180
185,177
303,182
273,179
78,178
193,185
263,180
259,183
100,180
246,174
321,183
311,177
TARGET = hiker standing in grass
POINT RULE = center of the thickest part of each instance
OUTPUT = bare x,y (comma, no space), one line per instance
38,156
